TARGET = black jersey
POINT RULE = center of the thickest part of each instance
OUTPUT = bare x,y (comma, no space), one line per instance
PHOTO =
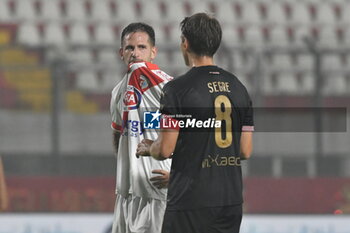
206,167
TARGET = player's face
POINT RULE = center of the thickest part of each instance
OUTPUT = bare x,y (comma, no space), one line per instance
137,47
184,47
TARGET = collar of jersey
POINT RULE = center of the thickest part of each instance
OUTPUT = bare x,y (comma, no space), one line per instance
205,67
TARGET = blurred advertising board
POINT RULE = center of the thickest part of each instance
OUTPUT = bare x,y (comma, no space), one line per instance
262,195
55,223
296,224
101,223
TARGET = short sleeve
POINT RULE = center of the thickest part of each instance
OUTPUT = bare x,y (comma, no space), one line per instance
169,104
115,114
248,120
169,107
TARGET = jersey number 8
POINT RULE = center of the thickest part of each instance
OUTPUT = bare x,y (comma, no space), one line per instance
223,112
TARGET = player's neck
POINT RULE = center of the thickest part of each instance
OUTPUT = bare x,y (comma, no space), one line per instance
202,61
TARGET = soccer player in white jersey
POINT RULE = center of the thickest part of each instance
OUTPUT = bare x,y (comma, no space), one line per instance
141,188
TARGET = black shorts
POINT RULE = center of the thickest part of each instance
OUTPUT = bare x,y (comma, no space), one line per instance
226,219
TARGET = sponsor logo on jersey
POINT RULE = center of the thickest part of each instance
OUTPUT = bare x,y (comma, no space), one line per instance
221,161
143,82
132,128
132,98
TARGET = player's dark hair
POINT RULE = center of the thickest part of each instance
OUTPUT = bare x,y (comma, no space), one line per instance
139,27
203,33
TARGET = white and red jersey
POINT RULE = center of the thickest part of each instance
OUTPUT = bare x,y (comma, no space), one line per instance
137,92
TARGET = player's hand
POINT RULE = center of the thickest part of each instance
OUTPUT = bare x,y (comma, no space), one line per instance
143,148
162,180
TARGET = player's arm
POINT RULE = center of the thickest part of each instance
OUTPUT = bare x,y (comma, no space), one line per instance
3,191
246,145
116,119
246,140
160,149
164,146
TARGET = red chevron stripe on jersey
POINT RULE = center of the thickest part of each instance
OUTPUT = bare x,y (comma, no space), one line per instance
145,76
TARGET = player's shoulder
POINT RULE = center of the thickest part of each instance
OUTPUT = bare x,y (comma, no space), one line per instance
163,75
177,84
228,74
180,81
118,87
234,80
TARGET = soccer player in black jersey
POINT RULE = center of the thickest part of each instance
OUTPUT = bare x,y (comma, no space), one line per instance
205,187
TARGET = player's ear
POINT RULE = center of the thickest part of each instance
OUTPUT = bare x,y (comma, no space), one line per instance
121,53
184,43
154,52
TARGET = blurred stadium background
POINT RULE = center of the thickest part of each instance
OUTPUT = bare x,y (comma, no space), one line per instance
59,63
